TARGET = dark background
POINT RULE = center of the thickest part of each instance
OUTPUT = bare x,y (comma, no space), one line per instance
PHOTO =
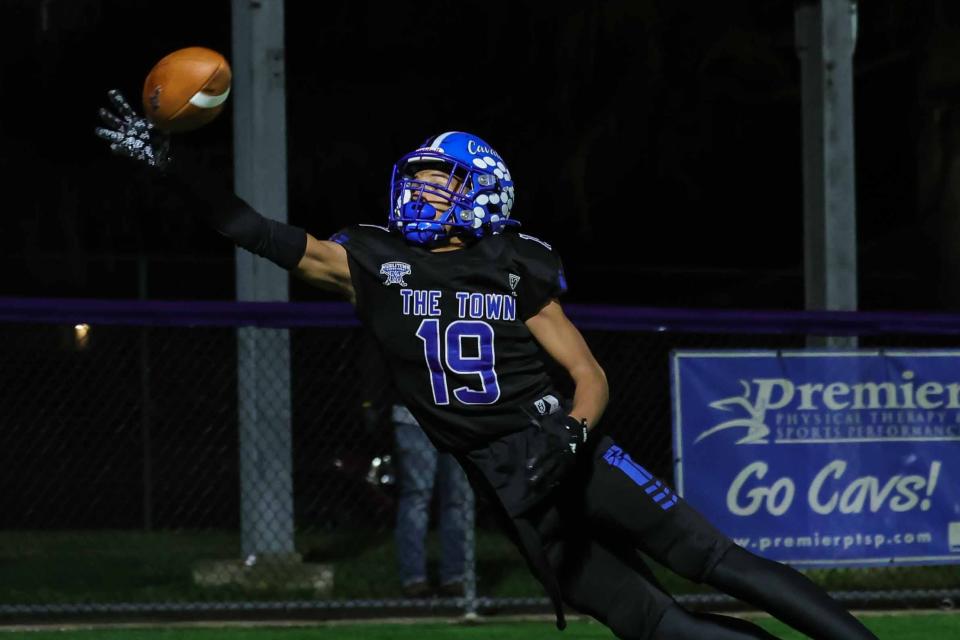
655,143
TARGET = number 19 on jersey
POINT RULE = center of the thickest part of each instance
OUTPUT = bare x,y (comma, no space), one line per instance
447,355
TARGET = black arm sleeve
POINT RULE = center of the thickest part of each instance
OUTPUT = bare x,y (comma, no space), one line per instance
231,216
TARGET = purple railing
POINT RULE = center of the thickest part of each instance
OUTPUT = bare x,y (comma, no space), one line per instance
597,317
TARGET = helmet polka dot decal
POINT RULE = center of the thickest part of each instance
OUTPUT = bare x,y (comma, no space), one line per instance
477,222
501,166
482,198
479,212
498,173
505,210
490,161
494,199
506,176
479,163
494,218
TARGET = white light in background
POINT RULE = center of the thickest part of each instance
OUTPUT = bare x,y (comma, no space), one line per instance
81,336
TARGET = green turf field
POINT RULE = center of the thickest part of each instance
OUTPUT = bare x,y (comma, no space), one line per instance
898,627
41,567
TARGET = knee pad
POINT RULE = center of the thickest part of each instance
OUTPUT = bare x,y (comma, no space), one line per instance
696,550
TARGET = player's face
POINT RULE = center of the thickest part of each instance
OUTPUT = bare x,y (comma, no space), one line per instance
440,178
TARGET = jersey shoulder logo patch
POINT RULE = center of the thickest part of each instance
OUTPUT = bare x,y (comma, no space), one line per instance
534,239
395,271
514,279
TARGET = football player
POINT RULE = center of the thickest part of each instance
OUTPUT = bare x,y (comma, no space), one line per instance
464,307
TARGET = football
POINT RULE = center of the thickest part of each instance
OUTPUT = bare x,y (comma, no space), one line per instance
186,89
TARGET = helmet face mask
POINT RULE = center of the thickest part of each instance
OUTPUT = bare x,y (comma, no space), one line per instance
478,189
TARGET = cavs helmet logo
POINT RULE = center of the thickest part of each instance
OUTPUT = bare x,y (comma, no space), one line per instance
395,272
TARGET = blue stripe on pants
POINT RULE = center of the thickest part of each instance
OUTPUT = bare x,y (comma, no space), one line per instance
617,457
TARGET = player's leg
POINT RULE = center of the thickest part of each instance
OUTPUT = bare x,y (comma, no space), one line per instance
623,496
416,468
611,583
452,502
679,623
786,594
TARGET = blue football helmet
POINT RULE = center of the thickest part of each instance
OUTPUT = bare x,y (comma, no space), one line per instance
479,188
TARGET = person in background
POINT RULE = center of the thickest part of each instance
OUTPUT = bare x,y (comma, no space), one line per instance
420,469
422,474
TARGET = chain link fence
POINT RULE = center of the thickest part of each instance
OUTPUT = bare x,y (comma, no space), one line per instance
218,457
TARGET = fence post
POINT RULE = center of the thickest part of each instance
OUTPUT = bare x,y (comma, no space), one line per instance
470,579
263,356
146,404
825,32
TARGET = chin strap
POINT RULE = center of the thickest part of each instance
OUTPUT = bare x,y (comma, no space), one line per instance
427,234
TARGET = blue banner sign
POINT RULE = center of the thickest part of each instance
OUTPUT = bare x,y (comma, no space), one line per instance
823,458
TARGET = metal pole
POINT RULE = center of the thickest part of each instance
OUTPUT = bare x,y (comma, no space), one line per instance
470,579
146,404
263,356
825,40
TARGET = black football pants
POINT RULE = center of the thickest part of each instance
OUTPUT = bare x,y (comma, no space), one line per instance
611,508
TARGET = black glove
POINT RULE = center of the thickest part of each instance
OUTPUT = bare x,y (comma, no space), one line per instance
133,136
563,435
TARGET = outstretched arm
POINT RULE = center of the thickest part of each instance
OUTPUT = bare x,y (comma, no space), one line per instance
321,263
564,343
324,264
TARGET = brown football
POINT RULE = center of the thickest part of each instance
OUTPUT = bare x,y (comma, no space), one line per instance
186,89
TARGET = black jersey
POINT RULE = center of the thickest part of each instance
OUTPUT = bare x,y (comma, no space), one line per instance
451,327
